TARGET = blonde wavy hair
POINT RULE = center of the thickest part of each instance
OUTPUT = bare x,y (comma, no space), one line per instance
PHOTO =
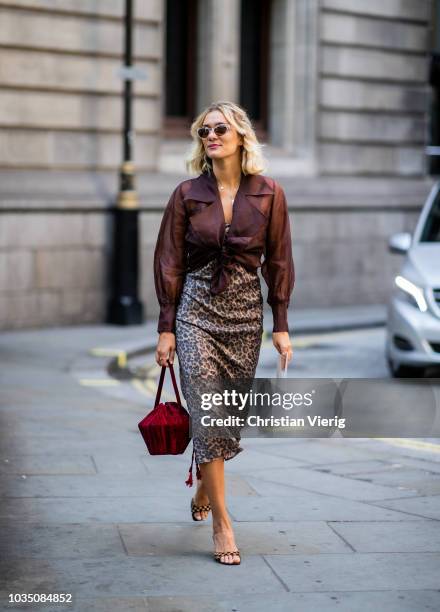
252,160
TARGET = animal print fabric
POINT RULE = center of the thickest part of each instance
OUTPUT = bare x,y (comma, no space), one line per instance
218,337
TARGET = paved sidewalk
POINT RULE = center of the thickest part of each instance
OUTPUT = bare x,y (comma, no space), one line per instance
323,524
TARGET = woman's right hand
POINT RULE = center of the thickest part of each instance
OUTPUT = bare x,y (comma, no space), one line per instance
166,348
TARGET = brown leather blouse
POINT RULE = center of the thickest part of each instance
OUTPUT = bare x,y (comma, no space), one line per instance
192,233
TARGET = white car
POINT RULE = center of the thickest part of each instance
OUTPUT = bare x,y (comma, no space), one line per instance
413,313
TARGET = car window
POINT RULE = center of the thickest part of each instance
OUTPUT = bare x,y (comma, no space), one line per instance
431,230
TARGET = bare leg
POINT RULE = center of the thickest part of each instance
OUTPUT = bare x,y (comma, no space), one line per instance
201,499
213,477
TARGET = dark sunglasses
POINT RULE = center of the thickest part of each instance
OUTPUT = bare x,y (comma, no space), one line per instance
219,130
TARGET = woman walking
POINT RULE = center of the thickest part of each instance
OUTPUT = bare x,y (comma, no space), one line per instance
214,231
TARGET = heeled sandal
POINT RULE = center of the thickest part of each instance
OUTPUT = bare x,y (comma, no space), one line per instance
195,508
218,556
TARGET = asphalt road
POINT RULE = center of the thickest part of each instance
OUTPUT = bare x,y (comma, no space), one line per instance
344,354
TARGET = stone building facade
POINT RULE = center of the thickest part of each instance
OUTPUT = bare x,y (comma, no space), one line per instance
338,91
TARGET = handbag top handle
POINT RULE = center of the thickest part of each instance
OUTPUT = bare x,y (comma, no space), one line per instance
159,390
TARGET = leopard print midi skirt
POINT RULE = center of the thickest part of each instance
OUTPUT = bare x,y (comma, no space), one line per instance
218,337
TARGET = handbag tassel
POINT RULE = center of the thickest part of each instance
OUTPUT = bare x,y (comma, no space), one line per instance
189,481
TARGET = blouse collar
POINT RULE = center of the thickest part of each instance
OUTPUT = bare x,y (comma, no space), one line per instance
204,187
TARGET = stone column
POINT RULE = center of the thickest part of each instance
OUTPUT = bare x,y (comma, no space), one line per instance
218,51
293,80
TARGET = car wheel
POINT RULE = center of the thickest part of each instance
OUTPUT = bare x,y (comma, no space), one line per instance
405,371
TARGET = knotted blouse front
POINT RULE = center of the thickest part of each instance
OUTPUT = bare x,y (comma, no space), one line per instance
193,232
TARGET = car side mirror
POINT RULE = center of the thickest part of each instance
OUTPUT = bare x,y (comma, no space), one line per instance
399,243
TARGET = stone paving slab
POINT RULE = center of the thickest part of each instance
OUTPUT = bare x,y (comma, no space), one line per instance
117,463
365,601
47,464
107,604
138,576
105,485
255,538
403,536
346,488
96,510
415,480
340,601
84,411
73,442
426,507
394,451
175,469
374,571
60,541
423,464
318,452
356,467
86,403
279,505
236,485
97,485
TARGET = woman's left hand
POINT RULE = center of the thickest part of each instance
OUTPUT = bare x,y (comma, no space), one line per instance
281,342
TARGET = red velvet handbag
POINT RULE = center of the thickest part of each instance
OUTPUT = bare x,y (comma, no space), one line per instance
165,429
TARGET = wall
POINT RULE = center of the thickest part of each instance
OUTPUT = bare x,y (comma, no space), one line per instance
373,98
61,146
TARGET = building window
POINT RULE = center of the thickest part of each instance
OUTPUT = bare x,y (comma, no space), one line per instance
254,62
180,66
434,81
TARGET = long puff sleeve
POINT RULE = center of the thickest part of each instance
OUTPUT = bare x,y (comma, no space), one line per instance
170,261
278,268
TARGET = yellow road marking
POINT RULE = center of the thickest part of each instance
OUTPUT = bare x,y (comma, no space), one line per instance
105,352
409,443
121,354
151,385
122,360
98,382
401,442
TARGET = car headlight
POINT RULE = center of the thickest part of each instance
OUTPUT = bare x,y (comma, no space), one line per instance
413,293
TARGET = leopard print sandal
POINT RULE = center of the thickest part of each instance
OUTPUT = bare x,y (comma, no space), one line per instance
195,508
219,555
